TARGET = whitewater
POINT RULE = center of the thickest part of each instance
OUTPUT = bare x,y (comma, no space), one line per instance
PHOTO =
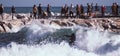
38,39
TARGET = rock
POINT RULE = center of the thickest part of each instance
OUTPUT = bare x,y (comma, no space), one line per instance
20,16
110,24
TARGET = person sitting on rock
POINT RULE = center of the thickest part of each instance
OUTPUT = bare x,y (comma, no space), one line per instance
1,11
13,11
34,11
44,14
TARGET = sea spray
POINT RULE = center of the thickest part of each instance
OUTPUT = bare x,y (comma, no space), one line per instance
62,49
47,40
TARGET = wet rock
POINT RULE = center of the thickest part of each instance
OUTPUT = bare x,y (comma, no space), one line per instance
20,16
110,24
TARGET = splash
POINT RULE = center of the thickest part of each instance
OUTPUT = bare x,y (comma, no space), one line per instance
49,40
49,49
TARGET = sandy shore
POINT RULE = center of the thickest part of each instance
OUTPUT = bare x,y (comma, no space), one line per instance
111,24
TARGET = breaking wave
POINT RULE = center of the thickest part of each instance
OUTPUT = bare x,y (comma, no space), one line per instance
49,40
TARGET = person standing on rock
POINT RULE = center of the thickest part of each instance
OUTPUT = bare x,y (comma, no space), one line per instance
82,10
71,10
117,8
62,11
66,10
48,10
103,10
35,11
39,11
96,9
89,9
113,9
1,10
13,11
77,11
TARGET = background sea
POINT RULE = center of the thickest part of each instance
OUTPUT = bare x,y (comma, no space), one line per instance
53,9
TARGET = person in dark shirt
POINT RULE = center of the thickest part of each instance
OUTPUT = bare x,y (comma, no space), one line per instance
89,9
66,10
82,10
77,10
71,10
1,11
48,10
13,11
96,9
117,8
62,11
39,11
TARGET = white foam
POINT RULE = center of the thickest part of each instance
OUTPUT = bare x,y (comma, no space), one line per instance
89,42
62,49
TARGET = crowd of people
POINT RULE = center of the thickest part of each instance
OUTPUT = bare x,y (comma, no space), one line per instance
115,9
67,10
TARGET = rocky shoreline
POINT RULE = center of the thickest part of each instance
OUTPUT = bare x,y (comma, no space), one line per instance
111,24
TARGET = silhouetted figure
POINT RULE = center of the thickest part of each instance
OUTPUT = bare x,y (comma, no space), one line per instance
113,9
77,10
72,38
13,11
103,10
71,10
39,11
117,8
48,10
1,11
35,11
96,7
82,10
66,10
62,11
89,9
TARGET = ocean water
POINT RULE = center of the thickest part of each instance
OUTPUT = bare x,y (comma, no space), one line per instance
53,9
37,39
